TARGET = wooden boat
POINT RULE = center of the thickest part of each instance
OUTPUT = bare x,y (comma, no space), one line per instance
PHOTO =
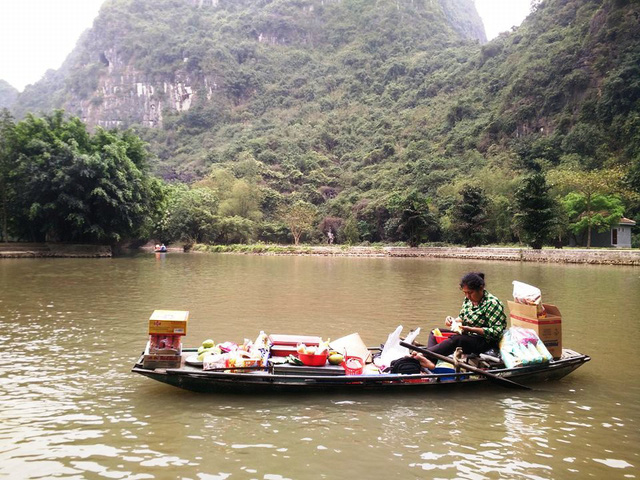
289,378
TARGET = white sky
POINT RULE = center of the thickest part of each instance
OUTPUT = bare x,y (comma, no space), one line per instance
36,35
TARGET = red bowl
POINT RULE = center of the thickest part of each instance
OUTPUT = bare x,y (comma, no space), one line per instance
444,336
314,360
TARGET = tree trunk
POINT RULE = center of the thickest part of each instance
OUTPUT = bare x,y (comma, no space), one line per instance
5,236
588,221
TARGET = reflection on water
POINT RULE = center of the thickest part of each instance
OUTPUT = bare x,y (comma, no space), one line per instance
70,331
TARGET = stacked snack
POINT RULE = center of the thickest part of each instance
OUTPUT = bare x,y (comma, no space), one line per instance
164,348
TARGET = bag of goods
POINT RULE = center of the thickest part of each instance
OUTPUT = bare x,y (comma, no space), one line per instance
261,348
242,359
215,361
521,346
392,349
456,325
528,295
159,344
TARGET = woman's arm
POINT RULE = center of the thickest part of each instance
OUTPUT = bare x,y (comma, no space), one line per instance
477,330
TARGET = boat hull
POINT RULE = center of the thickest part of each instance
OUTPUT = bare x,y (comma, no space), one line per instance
263,382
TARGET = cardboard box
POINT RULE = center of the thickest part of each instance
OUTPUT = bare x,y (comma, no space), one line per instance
548,328
152,361
168,322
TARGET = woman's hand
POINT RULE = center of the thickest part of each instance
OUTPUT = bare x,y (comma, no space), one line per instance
448,321
477,330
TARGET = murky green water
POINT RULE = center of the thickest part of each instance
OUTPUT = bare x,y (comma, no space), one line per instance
70,331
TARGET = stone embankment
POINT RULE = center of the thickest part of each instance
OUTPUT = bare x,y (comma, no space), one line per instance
572,255
43,250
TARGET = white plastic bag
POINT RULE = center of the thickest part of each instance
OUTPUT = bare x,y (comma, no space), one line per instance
528,295
392,349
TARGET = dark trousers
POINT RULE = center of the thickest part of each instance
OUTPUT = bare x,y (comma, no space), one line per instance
469,344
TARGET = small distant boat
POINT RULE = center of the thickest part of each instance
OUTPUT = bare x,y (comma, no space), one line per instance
160,249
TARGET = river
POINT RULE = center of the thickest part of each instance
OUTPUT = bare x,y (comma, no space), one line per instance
71,330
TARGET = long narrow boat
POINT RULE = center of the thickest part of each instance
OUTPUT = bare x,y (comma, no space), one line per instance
289,379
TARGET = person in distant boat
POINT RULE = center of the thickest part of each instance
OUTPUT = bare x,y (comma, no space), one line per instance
329,237
479,326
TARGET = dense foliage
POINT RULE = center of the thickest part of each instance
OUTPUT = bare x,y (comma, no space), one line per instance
60,183
389,118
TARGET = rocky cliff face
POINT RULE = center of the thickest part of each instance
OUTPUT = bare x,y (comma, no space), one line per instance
139,63
8,95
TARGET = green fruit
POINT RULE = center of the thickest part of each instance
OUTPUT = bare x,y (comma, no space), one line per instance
336,359
201,356
208,343
201,349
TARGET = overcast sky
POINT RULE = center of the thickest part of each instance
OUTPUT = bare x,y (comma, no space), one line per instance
36,35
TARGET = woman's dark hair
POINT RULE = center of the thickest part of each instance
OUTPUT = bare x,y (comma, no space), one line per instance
473,280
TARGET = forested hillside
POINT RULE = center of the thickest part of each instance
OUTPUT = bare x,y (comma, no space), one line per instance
378,120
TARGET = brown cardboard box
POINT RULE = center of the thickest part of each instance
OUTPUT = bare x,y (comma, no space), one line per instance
152,361
548,328
168,322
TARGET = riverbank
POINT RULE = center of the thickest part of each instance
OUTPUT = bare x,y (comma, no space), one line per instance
53,250
563,255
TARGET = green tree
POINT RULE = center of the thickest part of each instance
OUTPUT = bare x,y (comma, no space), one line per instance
600,212
412,220
236,229
191,216
7,166
243,200
78,187
470,216
350,233
299,217
589,185
534,210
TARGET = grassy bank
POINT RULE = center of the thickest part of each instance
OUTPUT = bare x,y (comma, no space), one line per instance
546,255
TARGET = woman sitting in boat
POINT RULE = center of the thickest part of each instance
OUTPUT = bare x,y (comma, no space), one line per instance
480,325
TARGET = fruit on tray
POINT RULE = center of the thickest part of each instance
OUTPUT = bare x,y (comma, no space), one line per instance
336,358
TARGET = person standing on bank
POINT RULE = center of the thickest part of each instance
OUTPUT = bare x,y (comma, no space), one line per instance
483,321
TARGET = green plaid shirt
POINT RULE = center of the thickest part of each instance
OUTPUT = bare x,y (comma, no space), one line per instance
488,314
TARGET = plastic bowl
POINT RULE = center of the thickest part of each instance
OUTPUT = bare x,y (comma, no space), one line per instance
313,360
444,336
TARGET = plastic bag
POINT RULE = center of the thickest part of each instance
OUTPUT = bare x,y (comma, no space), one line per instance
522,346
528,295
212,361
392,349
261,348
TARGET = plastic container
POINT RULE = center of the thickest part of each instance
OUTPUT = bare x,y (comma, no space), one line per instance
314,360
444,336
353,365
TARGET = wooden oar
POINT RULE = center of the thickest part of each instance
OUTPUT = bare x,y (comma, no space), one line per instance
505,382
